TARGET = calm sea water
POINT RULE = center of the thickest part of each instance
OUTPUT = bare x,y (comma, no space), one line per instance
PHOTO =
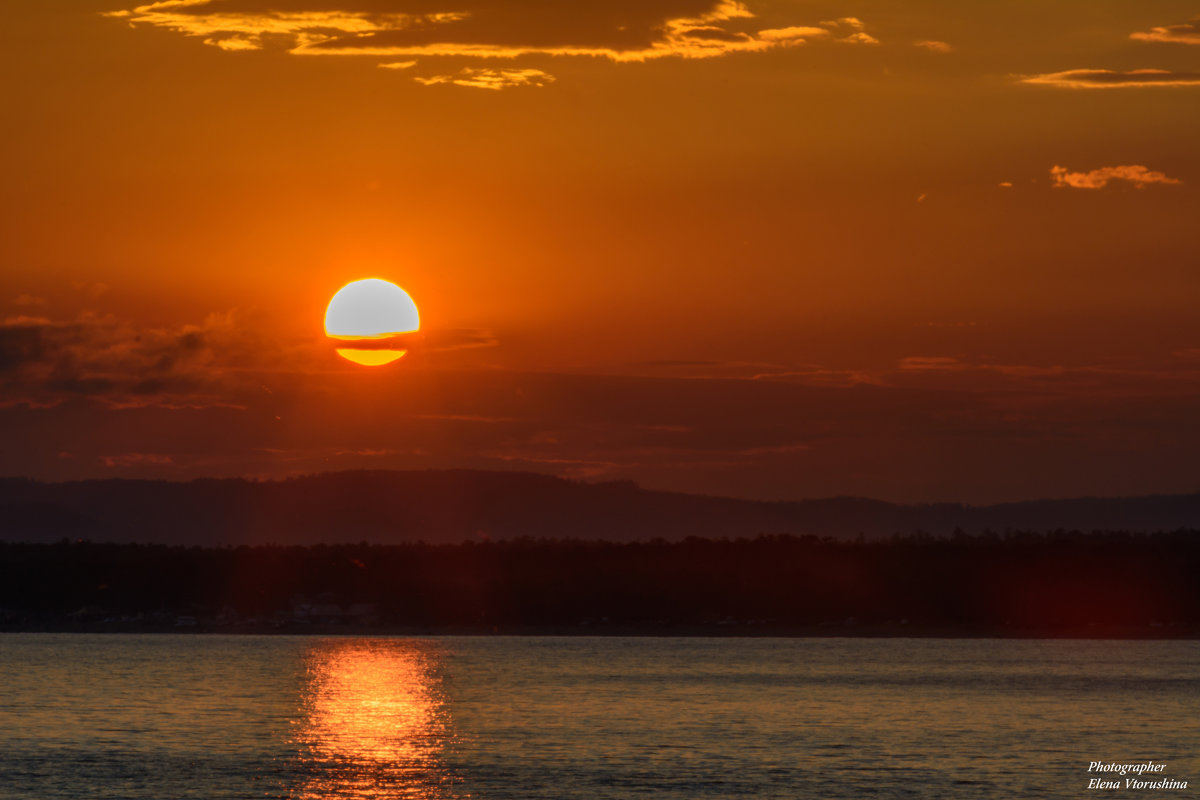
112,716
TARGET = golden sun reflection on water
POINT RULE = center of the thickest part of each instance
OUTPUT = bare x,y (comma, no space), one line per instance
374,722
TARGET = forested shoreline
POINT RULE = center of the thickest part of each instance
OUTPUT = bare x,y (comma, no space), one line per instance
1065,583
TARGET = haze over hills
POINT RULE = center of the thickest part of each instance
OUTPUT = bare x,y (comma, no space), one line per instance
390,507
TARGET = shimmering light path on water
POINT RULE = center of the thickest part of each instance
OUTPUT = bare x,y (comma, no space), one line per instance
157,717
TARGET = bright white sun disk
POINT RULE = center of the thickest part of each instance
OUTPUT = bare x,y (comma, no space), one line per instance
371,309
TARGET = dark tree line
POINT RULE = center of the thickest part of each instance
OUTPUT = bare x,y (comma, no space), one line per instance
1062,583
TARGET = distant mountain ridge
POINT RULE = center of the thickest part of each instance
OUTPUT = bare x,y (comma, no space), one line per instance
390,507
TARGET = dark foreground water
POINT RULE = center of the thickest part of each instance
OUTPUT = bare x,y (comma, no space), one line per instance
112,716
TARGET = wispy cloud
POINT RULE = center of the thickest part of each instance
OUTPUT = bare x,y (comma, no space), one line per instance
445,339
249,24
717,435
136,460
618,30
234,42
930,363
491,78
1135,174
43,361
1183,33
779,449
934,46
1111,79
793,34
579,468
464,418
849,30
397,64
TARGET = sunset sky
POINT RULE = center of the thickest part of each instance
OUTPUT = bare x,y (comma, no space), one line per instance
909,250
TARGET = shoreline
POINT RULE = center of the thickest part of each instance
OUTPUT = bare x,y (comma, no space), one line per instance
715,631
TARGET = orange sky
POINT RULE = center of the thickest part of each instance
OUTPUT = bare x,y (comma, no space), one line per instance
774,249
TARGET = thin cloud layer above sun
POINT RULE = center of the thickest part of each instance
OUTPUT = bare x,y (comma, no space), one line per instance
618,30
1135,174
1112,79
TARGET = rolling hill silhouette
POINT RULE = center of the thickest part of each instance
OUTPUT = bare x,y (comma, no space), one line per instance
389,507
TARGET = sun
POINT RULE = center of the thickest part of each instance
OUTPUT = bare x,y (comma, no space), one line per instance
370,318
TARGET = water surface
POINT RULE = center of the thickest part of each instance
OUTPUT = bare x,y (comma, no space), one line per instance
159,716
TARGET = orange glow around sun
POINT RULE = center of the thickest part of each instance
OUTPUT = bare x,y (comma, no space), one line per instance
369,316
